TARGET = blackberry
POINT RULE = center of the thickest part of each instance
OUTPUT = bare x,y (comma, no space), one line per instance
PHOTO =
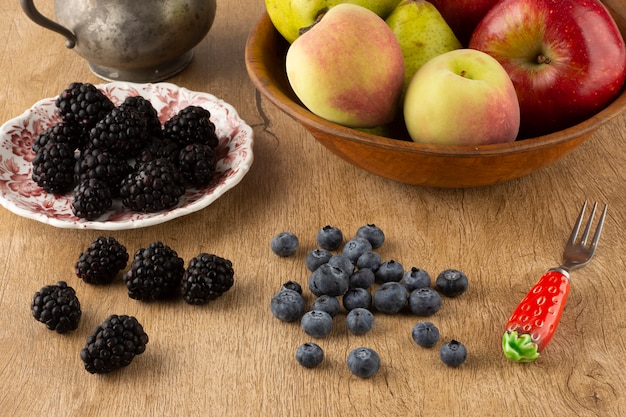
191,125
101,261
148,112
122,131
102,165
157,148
53,167
155,273
197,163
114,344
91,199
154,186
83,103
207,277
57,307
62,132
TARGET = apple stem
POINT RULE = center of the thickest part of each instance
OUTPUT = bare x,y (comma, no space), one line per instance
542,59
319,16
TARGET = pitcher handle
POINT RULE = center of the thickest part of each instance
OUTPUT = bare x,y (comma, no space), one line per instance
31,11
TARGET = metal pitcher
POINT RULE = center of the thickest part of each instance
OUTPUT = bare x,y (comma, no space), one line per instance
130,40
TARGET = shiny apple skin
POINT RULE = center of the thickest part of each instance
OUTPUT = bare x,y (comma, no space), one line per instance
586,53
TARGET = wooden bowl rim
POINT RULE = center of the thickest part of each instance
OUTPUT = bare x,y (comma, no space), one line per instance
260,77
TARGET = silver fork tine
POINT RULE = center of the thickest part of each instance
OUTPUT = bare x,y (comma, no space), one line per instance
596,235
572,238
583,239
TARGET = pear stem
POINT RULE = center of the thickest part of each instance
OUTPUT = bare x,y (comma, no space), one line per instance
319,17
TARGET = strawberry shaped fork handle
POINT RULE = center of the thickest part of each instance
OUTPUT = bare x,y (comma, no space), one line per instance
537,316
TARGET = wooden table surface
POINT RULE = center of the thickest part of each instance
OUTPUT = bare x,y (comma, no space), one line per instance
232,357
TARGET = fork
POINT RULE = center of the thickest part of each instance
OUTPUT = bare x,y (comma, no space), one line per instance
533,323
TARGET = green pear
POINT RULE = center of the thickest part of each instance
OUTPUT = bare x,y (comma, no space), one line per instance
291,16
422,33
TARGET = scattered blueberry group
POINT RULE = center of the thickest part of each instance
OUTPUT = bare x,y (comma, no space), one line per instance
350,272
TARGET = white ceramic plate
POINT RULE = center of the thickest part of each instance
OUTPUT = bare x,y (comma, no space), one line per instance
19,194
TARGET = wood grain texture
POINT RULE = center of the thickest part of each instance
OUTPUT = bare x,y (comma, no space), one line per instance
232,358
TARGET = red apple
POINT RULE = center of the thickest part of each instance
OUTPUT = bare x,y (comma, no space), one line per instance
566,58
463,15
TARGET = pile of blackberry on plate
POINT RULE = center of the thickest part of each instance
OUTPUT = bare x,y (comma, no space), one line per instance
99,152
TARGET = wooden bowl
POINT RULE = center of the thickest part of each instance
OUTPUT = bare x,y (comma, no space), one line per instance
406,161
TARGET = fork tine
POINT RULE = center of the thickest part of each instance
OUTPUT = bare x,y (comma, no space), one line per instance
583,239
572,238
596,235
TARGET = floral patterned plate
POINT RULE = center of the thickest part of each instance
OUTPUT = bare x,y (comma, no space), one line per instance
20,195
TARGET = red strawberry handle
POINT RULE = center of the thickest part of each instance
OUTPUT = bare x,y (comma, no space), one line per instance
537,316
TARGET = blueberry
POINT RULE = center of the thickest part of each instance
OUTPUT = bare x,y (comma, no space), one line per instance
329,238
317,323
415,278
287,305
424,301
292,285
329,280
370,260
390,297
316,258
328,304
453,353
363,362
284,244
425,334
357,297
363,278
451,282
355,247
309,355
342,262
390,271
359,321
373,234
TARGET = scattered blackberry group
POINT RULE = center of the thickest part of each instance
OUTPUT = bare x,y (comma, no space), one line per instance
156,272
349,275
124,148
